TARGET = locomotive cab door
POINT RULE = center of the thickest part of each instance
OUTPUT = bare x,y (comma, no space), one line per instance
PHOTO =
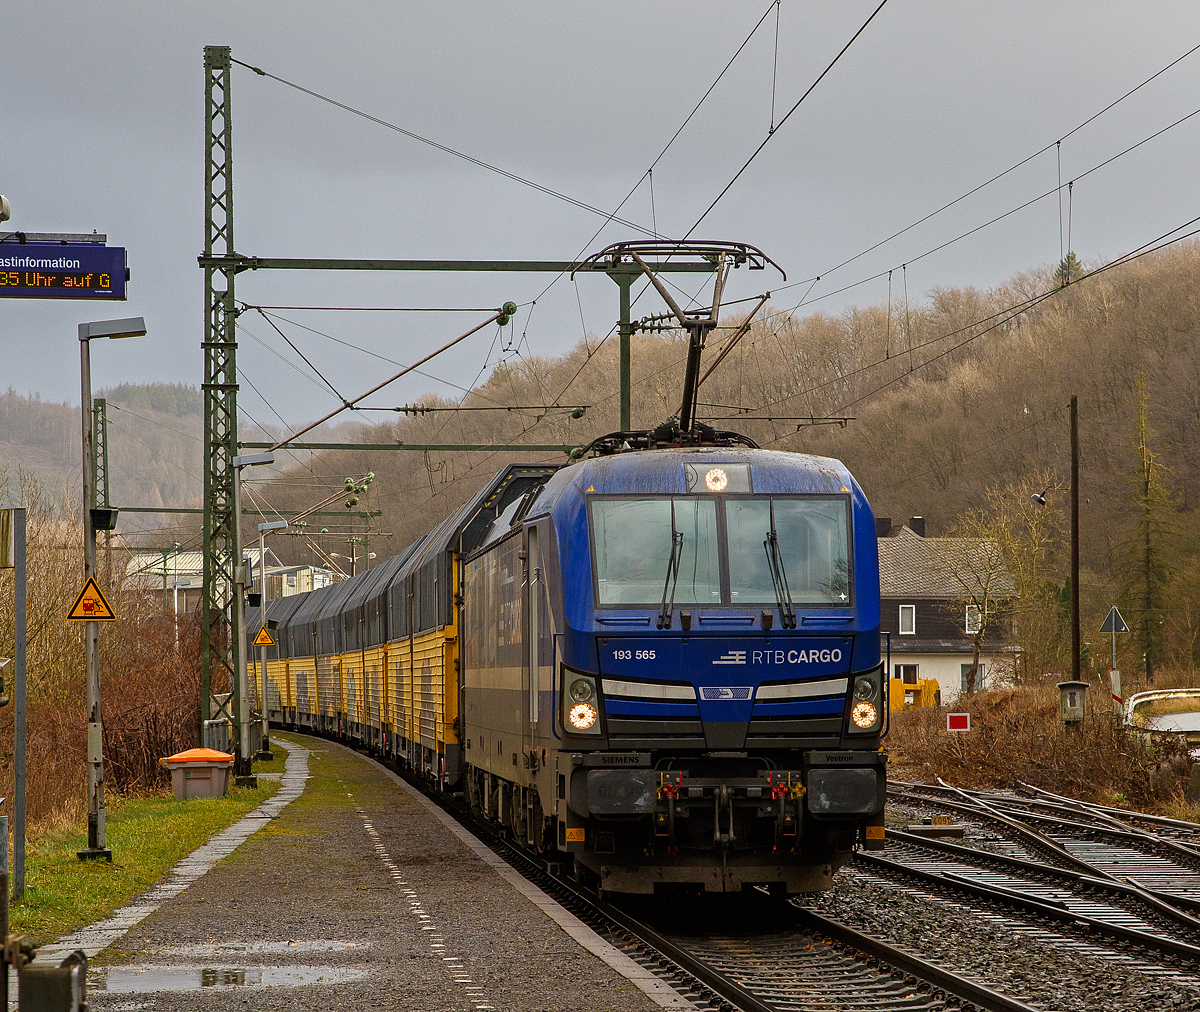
530,633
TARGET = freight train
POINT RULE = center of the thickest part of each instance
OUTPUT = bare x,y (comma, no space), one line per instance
658,664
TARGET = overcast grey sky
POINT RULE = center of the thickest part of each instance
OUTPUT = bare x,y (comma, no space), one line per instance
102,128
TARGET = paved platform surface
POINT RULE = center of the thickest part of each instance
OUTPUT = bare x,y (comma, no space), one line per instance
359,896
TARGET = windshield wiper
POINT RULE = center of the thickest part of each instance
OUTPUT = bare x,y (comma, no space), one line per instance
667,609
783,593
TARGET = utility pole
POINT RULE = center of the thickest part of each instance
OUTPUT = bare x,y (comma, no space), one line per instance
1075,644
12,556
100,469
241,694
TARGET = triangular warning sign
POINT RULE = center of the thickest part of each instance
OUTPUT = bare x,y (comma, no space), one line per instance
264,638
1114,622
90,605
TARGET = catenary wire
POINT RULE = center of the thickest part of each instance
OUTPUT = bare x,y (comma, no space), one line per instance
373,354
449,150
929,252
1000,175
786,117
1000,318
666,147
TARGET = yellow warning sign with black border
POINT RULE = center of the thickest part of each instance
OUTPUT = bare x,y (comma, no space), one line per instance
91,606
264,638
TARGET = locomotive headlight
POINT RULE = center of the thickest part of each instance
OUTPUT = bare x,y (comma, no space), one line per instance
865,690
716,479
580,706
582,716
864,714
866,701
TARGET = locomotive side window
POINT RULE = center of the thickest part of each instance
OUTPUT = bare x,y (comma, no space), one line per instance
633,541
813,548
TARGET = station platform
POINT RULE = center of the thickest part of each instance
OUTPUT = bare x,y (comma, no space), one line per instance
357,893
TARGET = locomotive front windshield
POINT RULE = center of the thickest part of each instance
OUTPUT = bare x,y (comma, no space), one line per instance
725,549
634,542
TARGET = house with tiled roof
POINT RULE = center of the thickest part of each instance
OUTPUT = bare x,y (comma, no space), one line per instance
938,596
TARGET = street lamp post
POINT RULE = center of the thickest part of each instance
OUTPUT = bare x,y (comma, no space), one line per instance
274,525
134,327
242,767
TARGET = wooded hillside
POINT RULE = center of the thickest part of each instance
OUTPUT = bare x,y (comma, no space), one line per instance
954,397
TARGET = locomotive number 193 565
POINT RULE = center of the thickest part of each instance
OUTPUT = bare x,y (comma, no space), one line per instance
633,655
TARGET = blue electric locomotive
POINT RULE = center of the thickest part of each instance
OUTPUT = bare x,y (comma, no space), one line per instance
671,670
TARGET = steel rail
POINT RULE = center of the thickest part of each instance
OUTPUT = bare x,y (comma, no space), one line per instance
1127,834
1035,905
1163,904
1108,826
945,980
900,959
1121,821
1038,841
1120,813
537,871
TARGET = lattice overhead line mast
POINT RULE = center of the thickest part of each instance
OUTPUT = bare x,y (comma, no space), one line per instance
219,646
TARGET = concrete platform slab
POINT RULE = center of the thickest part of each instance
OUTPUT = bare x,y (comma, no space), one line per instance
363,895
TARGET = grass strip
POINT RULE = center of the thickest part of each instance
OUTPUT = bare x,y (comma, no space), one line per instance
276,764
147,837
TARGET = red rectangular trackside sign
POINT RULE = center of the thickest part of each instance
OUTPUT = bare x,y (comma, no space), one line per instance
958,722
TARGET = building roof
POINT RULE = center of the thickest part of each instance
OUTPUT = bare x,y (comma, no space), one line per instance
911,566
181,565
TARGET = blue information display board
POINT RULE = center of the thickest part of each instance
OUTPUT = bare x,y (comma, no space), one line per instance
56,270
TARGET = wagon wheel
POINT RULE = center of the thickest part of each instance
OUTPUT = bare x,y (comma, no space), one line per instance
517,817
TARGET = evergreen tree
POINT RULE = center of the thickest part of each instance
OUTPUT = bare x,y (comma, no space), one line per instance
1147,551
1069,270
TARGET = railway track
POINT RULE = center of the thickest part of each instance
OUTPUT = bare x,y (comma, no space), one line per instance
1083,871
806,961
1160,856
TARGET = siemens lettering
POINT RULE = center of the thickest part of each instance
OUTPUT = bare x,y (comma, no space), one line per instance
45,270
795,656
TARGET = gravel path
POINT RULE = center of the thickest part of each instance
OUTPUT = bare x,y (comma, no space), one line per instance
355,897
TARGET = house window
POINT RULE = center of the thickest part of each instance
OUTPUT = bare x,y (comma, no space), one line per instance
908,620
907,673
966,684
974,620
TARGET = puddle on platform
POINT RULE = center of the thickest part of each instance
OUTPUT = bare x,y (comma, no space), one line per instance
235,948
137,979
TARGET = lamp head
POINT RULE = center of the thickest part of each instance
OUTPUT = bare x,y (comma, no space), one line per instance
1038,498
133,327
